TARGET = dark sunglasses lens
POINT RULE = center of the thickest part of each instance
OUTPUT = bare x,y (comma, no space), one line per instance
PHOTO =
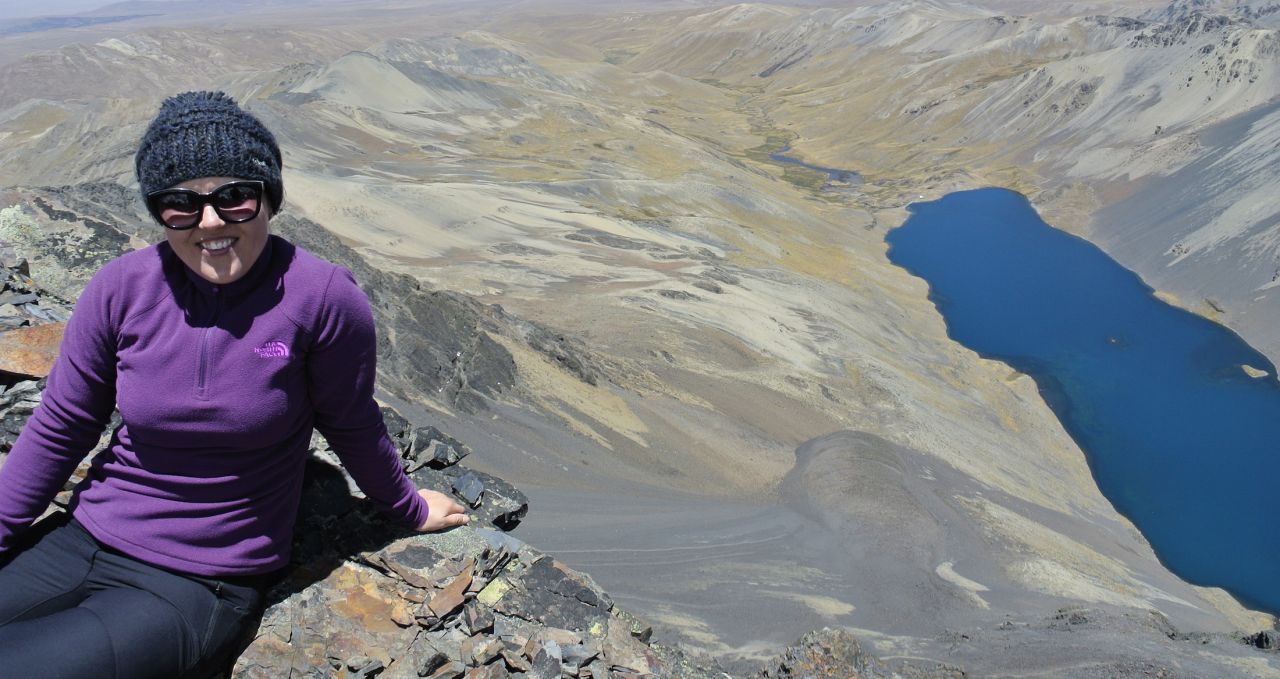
183,208
178,209
237,202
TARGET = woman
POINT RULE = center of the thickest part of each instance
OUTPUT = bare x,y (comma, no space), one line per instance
222,347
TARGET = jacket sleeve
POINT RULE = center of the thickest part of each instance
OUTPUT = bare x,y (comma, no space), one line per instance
341,370
73,411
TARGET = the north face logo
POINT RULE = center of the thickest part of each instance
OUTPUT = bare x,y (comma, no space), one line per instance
273,349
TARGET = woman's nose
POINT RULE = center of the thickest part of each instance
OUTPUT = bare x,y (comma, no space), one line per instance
209,218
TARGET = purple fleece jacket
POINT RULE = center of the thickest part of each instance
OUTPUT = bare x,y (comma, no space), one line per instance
218,388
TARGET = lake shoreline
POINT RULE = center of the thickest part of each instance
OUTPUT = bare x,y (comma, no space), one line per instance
981,309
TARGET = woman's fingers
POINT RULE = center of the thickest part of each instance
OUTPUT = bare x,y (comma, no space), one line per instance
444,512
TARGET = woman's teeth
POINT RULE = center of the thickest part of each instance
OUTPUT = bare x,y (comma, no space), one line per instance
215,245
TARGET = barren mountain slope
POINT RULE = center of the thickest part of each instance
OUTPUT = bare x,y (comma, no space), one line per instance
563,169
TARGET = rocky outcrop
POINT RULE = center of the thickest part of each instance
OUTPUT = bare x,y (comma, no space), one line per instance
472,602
363,598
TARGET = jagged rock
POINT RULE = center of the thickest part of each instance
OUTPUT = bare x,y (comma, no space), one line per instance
426,658
428,446
17,401
478,618
19,299
421,446
492,501
364,667
597,670
544,666
362,596
625,653
515,661
480,650
452,596
452,670
552,595
828,653
470,488
574,656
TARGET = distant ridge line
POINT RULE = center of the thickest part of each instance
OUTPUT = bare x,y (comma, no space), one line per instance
38,24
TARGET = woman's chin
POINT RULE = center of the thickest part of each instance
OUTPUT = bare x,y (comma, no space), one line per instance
222,270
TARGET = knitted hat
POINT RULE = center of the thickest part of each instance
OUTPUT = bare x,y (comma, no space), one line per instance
205,134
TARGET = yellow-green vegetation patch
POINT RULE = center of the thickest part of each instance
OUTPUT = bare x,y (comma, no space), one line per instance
803,177
618,56
493,592
775,141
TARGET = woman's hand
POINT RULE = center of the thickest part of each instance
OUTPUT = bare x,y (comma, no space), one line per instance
444,512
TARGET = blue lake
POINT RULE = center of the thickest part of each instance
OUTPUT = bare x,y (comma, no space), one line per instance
1179,438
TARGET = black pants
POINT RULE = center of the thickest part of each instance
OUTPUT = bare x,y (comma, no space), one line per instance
71,608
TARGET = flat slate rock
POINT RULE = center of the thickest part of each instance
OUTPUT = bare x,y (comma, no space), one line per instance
31,351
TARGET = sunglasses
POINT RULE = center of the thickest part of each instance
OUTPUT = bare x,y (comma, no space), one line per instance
180,209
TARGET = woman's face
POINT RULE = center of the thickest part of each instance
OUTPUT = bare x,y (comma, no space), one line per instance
221,252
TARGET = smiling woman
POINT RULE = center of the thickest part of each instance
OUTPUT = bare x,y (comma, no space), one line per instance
215,221
222,347
216,225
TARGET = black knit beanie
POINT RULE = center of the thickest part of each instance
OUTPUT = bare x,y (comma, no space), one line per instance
205,134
